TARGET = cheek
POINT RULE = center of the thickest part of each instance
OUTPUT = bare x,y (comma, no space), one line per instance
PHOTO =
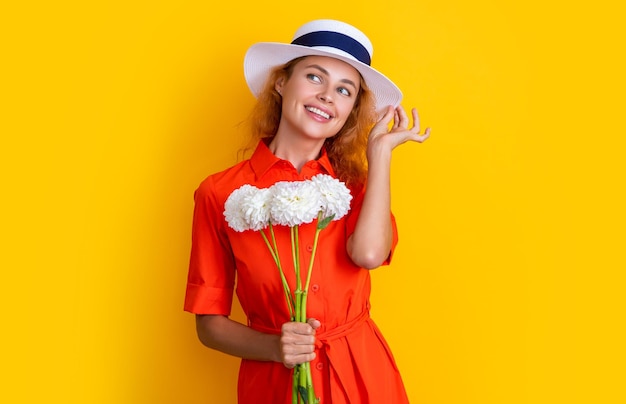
346,110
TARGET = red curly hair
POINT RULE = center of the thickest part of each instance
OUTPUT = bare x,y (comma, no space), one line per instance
346,150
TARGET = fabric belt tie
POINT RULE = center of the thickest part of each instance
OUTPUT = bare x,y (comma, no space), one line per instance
345,384
323,338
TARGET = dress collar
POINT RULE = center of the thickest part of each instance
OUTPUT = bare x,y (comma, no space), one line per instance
262,160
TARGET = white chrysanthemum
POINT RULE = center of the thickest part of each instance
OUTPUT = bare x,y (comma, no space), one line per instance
256,209
233,211
294,203
335,196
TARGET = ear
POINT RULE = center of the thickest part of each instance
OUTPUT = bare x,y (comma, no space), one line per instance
278,86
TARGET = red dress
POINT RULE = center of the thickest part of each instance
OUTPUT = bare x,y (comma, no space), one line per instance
353,363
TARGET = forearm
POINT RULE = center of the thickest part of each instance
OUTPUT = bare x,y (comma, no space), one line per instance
233,338
370,244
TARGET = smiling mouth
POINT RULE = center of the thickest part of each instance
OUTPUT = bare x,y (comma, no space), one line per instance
319,112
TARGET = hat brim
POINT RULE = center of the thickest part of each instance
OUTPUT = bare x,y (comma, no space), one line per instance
262,57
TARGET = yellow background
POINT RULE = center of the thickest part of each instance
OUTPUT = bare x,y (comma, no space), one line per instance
507,286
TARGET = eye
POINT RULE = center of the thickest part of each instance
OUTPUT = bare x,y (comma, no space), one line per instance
314,77
344,91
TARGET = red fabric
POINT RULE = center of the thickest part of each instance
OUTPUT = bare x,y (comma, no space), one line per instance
354,363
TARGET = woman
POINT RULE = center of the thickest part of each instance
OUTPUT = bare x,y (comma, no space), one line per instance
318,100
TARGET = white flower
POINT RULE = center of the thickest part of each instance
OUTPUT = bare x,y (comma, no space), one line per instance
335,196
294,203
256,209
233,212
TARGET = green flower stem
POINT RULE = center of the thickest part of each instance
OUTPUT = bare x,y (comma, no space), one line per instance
284,279
297,233
274,252
302,308
298,307
302,379
269,247
294,387
309,385
315,240
295,253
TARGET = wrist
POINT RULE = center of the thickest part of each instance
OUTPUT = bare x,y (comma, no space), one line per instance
378,155
275,351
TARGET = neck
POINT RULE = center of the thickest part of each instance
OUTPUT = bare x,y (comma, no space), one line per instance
297,151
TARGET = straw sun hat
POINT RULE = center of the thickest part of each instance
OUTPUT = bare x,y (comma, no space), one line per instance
322,38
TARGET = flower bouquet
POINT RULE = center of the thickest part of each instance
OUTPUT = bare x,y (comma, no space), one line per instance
322,198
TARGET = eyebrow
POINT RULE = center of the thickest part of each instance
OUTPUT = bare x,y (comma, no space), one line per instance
320,68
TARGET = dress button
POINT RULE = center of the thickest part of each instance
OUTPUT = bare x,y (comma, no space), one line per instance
309,248
315,288
319,366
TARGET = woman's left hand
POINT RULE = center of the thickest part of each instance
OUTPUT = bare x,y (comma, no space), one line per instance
382,136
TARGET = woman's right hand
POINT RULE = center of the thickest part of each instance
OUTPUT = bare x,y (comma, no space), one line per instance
297,342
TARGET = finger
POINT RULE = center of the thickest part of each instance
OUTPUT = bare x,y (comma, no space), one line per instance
295,344
396,120
403,118
290,361
416,120
384,120
314,323
388,110
422,138
297,328
297,339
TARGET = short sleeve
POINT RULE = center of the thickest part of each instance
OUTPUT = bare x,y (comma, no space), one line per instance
357,202
211,277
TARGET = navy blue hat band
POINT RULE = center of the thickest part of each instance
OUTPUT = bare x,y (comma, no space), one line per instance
335,40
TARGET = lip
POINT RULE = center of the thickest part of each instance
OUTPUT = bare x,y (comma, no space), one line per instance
325,110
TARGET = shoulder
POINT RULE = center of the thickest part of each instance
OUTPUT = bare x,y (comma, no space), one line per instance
220,185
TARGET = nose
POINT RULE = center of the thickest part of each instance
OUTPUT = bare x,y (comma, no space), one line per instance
325,96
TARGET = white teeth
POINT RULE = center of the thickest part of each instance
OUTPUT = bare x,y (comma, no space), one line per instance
318,112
